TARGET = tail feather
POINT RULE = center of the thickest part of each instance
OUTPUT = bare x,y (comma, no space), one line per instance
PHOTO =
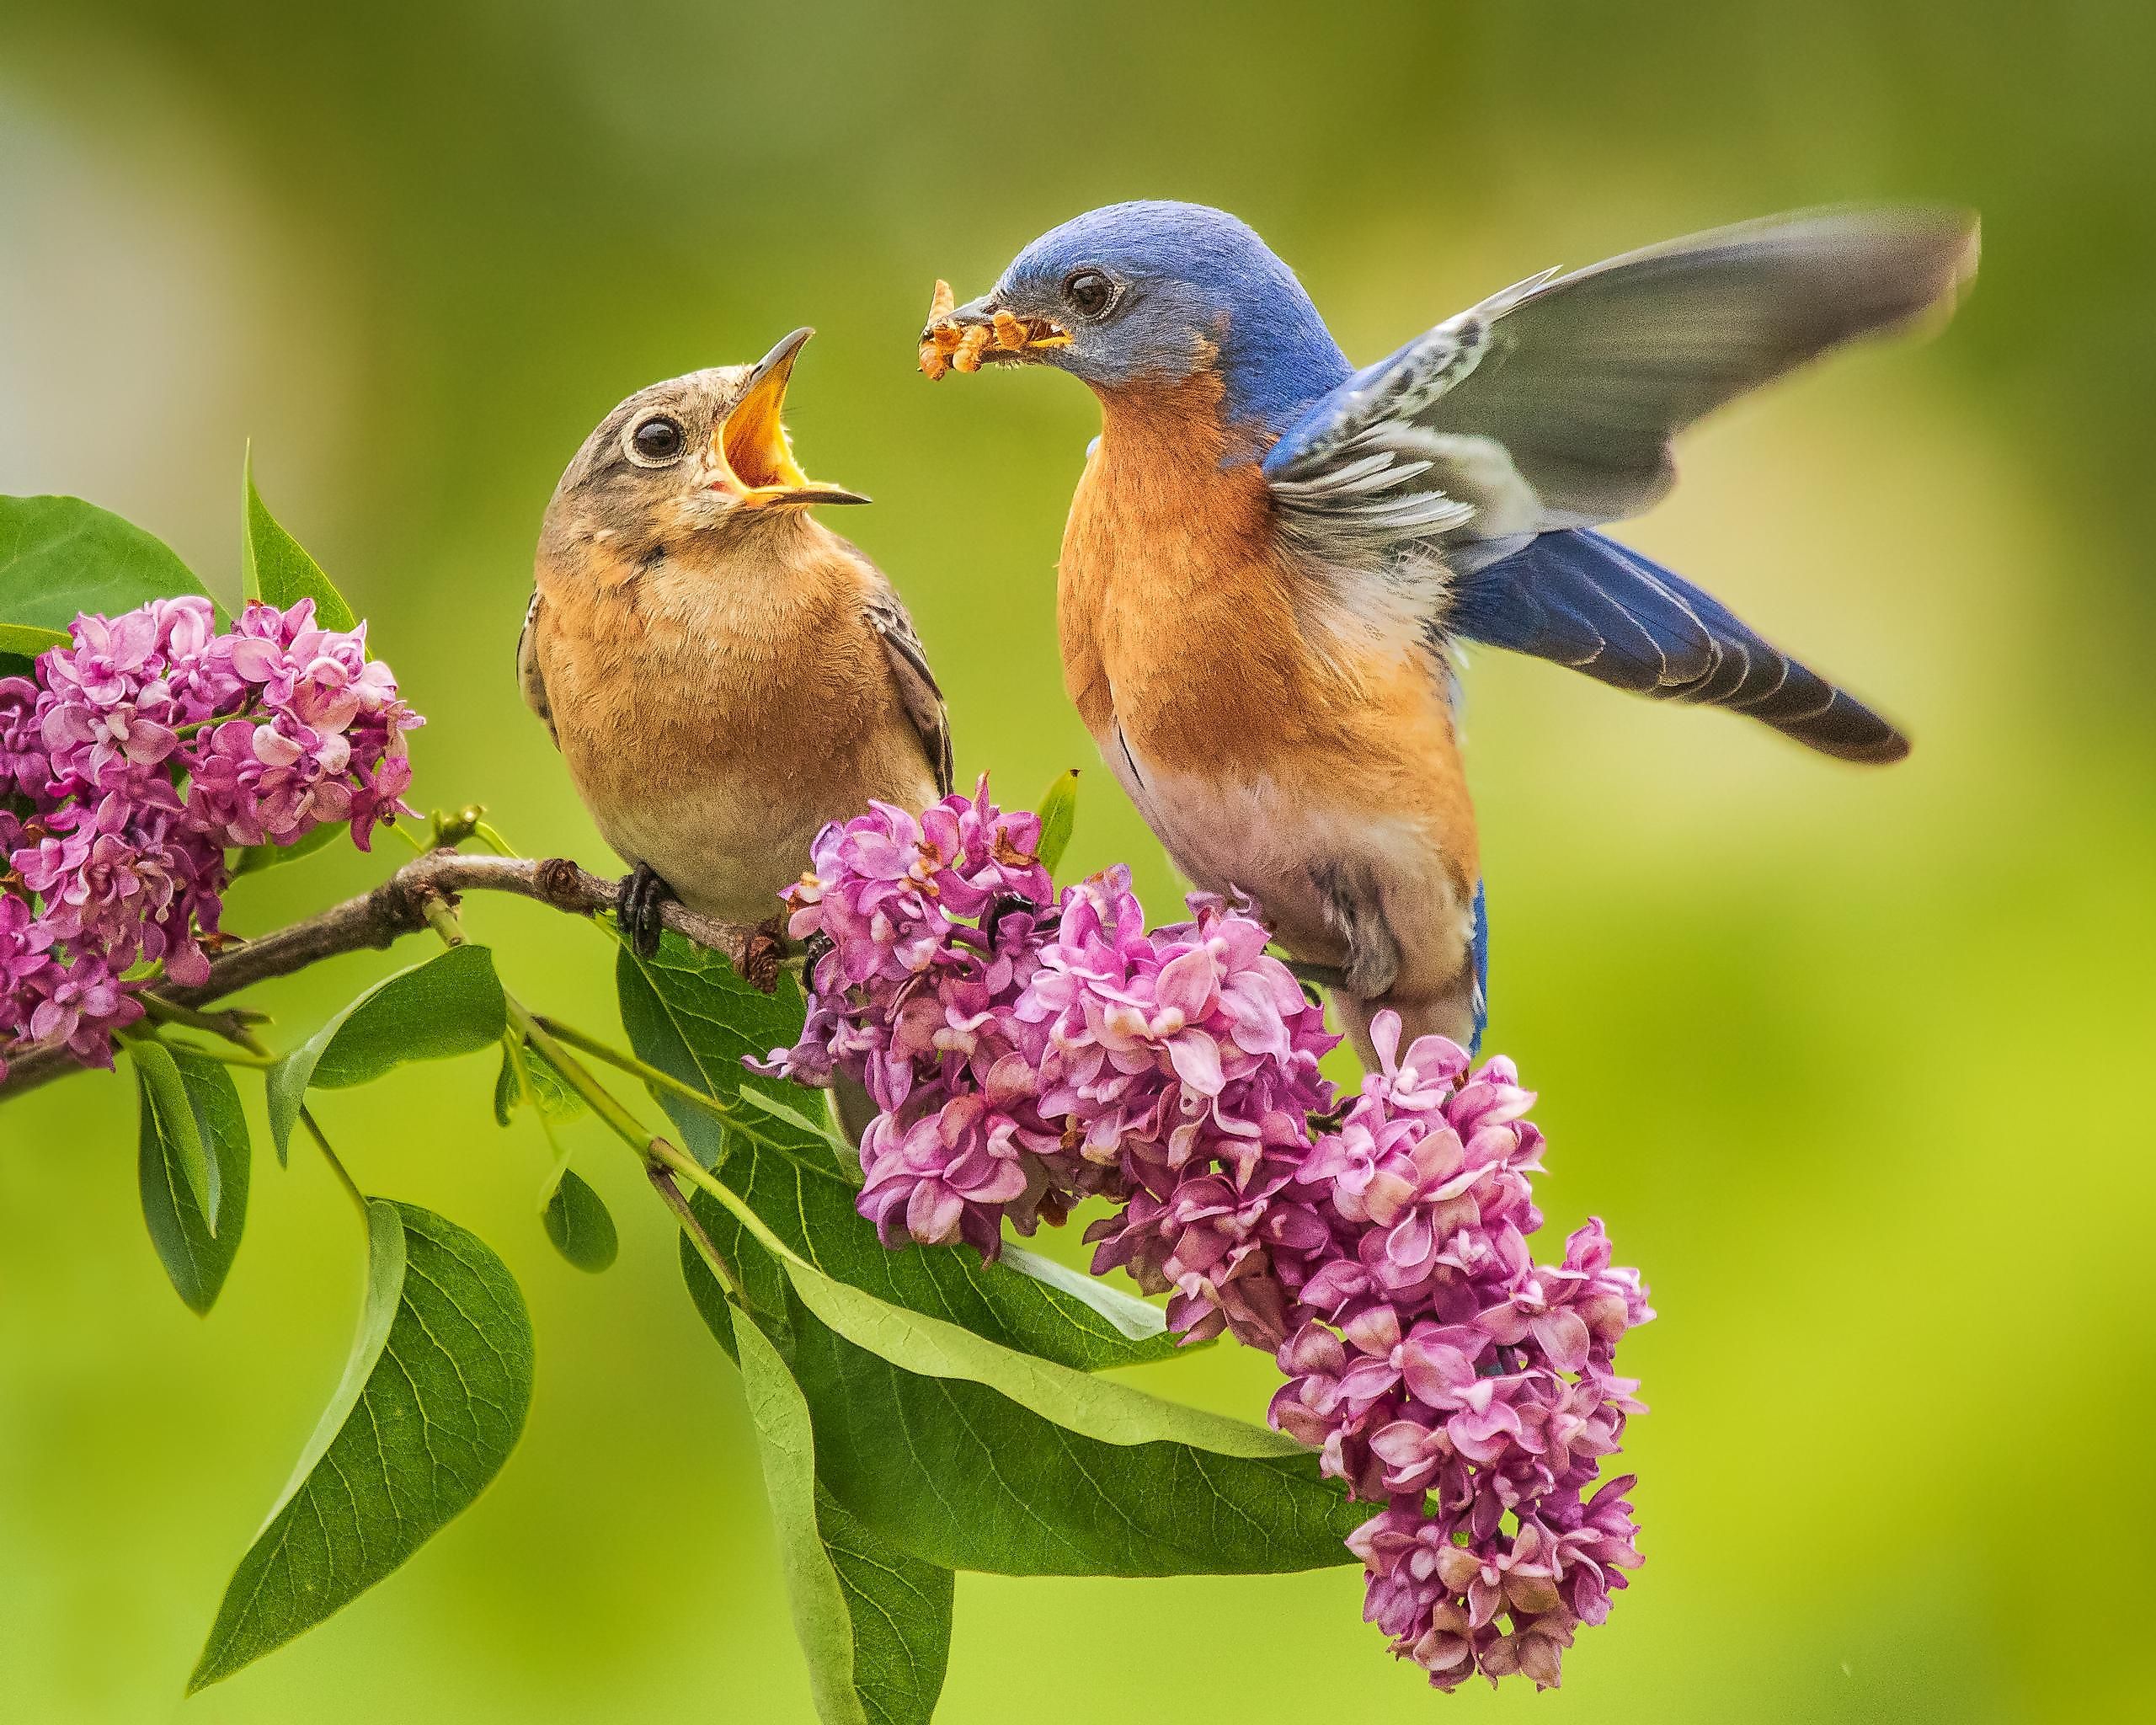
1580,599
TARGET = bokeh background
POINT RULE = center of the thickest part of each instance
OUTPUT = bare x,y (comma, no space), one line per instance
1855,1064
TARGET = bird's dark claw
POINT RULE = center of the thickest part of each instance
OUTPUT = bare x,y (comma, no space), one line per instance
641,907
760,961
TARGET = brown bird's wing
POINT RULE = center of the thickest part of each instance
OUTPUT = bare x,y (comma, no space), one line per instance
917,689
529,677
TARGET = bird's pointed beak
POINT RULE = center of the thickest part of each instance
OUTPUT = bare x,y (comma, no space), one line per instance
749,446
962,337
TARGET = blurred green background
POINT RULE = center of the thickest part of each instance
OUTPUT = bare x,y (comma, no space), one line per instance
1846,1060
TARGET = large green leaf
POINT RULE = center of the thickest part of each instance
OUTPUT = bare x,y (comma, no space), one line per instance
900,1609
874,1623
164,1093
60,557
21,643
196,1259
452,1004
690,1014
431,1402
964,1477
813,1213
275,568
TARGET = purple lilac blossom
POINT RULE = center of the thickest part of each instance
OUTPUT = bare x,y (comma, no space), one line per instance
138,754
1029,1052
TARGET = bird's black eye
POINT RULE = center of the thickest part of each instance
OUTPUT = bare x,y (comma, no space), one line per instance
658,438
1090,291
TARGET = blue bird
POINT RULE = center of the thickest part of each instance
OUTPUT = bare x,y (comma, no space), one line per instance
1271,555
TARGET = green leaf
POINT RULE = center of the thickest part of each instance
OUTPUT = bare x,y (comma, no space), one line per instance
166,1094
257,857
275,568
431,1402
1059,813
900,1608
873,1622
24,642
451,1005
688,1014
551,1092
806,1127
813,1212
578,1222
963,1477
1131,1316
60,557
196,1259
788,1445
1104,1409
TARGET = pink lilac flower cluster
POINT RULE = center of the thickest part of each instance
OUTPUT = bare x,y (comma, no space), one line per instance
136,757
1027,1051
1440,1370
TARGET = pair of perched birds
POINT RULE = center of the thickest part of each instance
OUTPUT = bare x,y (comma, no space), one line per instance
1267,563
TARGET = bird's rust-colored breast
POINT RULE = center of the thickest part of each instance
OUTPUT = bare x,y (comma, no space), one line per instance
1177,609
712,717
1189,628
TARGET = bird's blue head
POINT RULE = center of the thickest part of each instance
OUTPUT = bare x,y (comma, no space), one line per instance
1147,293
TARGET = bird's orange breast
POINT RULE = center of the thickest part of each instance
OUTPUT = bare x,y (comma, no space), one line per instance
1177,611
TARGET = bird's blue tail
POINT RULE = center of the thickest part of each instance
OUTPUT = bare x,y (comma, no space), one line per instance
1581,599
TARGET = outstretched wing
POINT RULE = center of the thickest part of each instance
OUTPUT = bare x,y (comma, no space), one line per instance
529,677
917,690
1553,403
1551,407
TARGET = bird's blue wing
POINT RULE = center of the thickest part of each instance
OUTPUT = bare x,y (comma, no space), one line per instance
1582,599
1479,949
1450,479
1553,403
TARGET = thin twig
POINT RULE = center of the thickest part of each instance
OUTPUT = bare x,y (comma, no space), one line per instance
396,908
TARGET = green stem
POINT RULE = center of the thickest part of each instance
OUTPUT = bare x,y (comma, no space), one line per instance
662,1183
231,1023
634,1067
227,1057
681,1162
653,1151
336,1165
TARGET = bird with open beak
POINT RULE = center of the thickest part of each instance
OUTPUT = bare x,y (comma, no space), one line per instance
722,673
1271,555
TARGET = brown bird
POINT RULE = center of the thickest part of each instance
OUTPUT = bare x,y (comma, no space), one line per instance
722,673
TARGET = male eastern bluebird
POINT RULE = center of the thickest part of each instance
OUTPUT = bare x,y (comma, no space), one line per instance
723,674
1271,554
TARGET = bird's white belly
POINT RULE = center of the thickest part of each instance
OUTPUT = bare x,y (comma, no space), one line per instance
1283,849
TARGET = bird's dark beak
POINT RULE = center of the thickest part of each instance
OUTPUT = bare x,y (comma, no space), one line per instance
749,446
964,336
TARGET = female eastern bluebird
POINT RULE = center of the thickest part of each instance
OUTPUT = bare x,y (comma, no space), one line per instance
723,674
1271,554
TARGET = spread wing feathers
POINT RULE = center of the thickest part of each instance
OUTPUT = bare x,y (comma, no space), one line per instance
1583,599
529,677
1552,405
917,689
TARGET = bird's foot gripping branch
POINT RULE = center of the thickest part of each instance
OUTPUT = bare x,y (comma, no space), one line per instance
928,1398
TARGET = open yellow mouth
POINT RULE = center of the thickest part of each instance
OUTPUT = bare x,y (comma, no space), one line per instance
749,448
946,344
